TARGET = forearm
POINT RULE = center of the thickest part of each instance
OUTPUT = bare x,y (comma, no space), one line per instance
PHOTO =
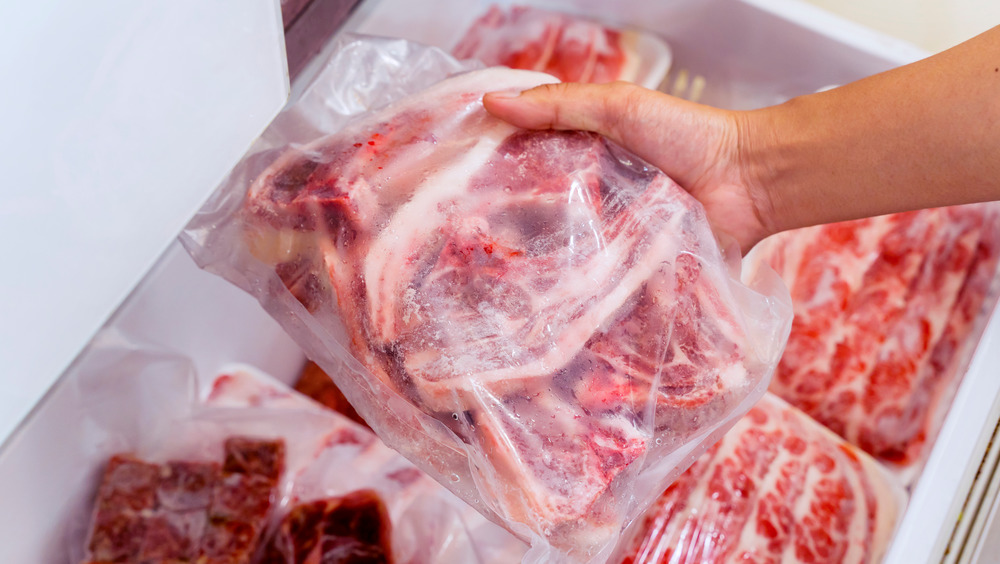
923,135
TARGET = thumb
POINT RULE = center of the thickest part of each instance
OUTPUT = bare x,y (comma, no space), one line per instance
588,107
680,137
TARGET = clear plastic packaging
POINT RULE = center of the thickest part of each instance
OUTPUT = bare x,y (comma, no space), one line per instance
146,408
539,320
571,48
778,487
428,524
887,311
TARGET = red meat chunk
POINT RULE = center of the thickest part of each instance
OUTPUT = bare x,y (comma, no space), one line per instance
186,486
254,456
116,535
241,497
181,511
172,536
353,529
128,483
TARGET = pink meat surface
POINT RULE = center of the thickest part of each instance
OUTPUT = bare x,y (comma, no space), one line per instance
555,303
881,306
570,48
777,488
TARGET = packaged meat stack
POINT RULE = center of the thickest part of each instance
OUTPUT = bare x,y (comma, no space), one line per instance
350,498
252,473
540,320
777,488
886,314
570,48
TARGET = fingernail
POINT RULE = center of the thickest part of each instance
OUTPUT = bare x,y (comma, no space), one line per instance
504,95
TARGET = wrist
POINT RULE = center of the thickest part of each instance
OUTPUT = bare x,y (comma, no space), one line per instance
755,159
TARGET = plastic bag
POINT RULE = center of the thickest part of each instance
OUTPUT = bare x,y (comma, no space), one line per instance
172,461
539,320
570,48
777,488
887,311
429,525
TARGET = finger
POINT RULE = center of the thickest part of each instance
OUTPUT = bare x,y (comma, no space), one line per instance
676,135
649,123
588,107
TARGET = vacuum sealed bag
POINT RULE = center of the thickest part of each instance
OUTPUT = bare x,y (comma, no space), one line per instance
540,320
887,311
778,487
253,472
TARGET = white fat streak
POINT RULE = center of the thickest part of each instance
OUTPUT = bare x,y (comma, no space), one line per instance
415,221
682,530
571,340
858,528
552,39
591,63
888,503
749,539
532,499
860,382
715,280
890,499
793,248
933,305
887,498
420,215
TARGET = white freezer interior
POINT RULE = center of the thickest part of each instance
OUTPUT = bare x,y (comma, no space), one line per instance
751,53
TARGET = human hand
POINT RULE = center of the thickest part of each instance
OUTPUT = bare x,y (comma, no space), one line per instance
698,146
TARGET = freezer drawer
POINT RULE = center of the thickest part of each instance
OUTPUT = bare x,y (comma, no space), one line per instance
750,53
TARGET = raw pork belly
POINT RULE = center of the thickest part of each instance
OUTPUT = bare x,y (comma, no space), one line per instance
777,488
555,303
570,48
882,307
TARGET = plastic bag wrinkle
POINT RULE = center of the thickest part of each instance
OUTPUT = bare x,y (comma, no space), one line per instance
497,290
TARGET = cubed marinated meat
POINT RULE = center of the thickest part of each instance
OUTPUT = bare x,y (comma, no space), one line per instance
183,511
